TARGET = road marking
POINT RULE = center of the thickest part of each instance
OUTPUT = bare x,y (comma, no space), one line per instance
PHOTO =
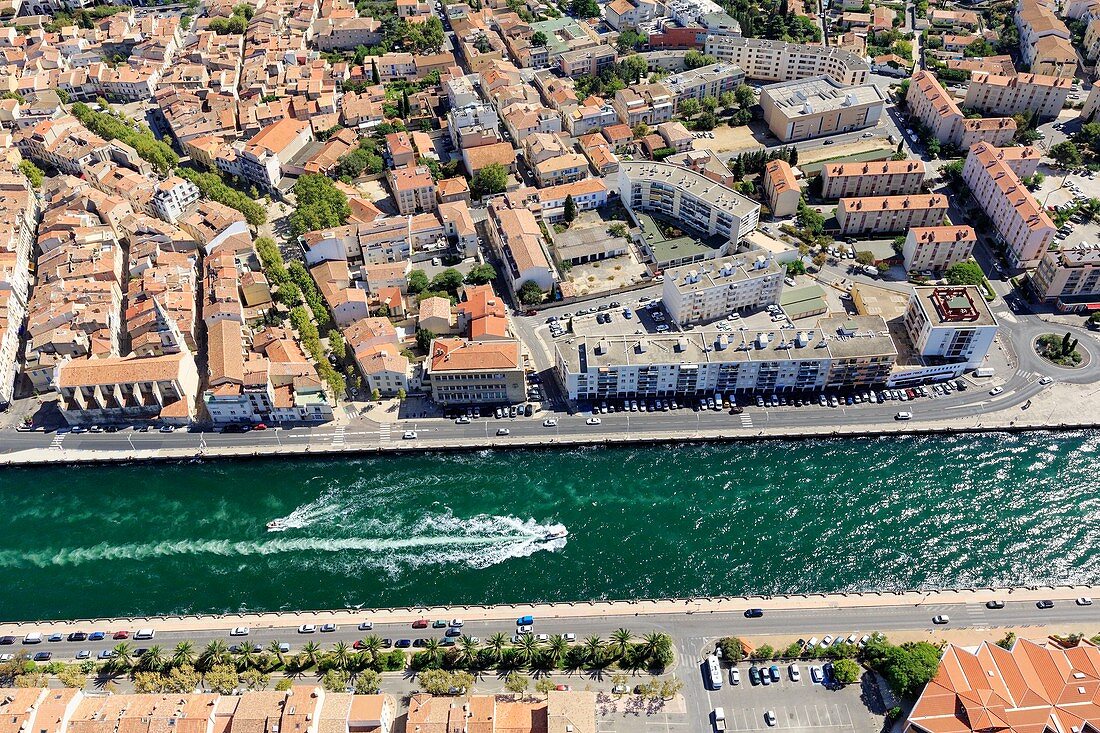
746,420
384,432
338,437
58,439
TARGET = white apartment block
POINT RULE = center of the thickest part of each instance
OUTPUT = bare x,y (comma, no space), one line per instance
1010,95
710,290
262,158
1070,278
950,324
879,178
806,108
937,248
884,214
173,196
779,61
706,81
848,351
685,196
991,174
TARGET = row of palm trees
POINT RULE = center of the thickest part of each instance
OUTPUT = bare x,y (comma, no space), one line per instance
593,650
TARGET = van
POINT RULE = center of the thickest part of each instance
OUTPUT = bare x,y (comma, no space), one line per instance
984,372
144,634
33,638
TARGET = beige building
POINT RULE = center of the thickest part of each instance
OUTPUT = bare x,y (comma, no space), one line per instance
993,178
1070,278
878,178
413,189
937,248
951,324
1010,95
706,291
118,389
648,103
930,103
705,81
781,188
799,110
884,214
462,372
767,60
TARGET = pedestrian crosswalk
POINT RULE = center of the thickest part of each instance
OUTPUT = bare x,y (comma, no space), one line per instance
338,436
1026,374
746,420
58,439
384,432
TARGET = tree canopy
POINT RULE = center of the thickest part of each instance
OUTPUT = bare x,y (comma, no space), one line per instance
491,179
965,273
320,205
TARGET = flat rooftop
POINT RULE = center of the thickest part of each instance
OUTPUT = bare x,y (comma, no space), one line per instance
819,94
721,272
955,306
690,182
664,248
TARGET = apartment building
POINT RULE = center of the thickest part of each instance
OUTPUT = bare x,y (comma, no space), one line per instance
885,214
1037,21
387,239
648,103
64,144
950,324
172,196
517,239
262,159
19,213
561,169
781,188
589,60
1069,278
623,14
779,61
807,108
838,353
116,389
930,103
705,81
1044,96
992,176
878,178
708,291
463,372
413,189
591,115
346,34
686,197
934,249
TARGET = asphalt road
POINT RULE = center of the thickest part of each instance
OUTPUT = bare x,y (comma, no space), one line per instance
693,633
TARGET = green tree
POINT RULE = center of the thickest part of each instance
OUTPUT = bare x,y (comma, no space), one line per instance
491,179
183,654
448,281
152,659
694,59
222,679
516,683
618,229
846,671
620,641
570,208
584,8
746,96
965,273
72,676
374,77
368,682
32,172
254,679
544,686
481,274
538,39
810,219
1066,154
733,650
1007,640
334,680
320,205
530,293
417,282
689,107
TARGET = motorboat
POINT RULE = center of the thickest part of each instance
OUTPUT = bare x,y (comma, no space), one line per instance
276,525
556,534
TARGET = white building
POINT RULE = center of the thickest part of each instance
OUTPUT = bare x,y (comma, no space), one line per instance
950,324
780,61
1070,278
706,291
937,248
173,196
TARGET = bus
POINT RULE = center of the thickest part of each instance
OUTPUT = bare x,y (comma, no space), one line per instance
714,673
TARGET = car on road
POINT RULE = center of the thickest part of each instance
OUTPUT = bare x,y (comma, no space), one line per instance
996,391
409,435
456,622
1083,601
105,654
542,638
239,631
462,420
121,635
904,415
97,636
570,637
769,715
794,673
942,618
1046,380
403,643
285,648
503,431
366,625
1044,604
620,690
57,636
83,654
327,628
43,656
549,422
995,604
754,675
439,624
453,632
77,636
592,421
754,613
525,620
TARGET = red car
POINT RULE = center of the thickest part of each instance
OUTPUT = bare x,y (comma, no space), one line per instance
260,426
122,635
420,623
358,645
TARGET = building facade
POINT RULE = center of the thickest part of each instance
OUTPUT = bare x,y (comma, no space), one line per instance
1069,278
883,214
462,372
708,291
767,60
807,108
879,178
934,249
951,324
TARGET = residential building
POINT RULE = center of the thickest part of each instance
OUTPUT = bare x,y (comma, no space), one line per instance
838,353
799,110
435,315
1069,278
648,103
346,34
463,372
262,158
124,389
930,103
1031,684
950,324
708,291
993,179
413,189
878,178
767,60
1054,56
934,249
1044,96
593,114
589,60
64,144
388,239
687,197
781,188
172,196
884,214
705,81
623,14
561,169
1036,21
517,239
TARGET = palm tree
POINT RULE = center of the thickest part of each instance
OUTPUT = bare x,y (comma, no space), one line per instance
341,655
245,656
274,649
620,640
372,645
214,653
183,654
497,642
152,659
651,642
557,649
311,652
431,648
120,658
593,646
528,649
467,649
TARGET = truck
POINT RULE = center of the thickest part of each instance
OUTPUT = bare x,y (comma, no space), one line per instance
984,372
719,719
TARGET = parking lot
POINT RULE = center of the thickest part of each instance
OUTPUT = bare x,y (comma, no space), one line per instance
801,705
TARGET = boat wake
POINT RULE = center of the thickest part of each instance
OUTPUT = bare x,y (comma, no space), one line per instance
479,541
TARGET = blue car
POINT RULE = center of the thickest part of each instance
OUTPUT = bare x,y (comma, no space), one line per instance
403,643
97,636
525,620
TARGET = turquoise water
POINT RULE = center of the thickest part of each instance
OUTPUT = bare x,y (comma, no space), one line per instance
467,528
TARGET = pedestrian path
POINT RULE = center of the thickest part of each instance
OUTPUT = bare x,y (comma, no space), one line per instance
384,432
58,439
338,436
746,420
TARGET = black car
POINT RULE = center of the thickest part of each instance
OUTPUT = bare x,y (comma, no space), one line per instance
994,604
77,636
6,640
754,675
829,674
43,656
754,613
387,643
1044,604
111,428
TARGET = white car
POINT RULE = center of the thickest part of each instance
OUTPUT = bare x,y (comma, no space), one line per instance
735,676
366,625
569,637
549,422
306,629
769,717
524,628
592,421
409,435
1046,380
943,618
456,622
239,631
1084,601
996,391
542,638
795,674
